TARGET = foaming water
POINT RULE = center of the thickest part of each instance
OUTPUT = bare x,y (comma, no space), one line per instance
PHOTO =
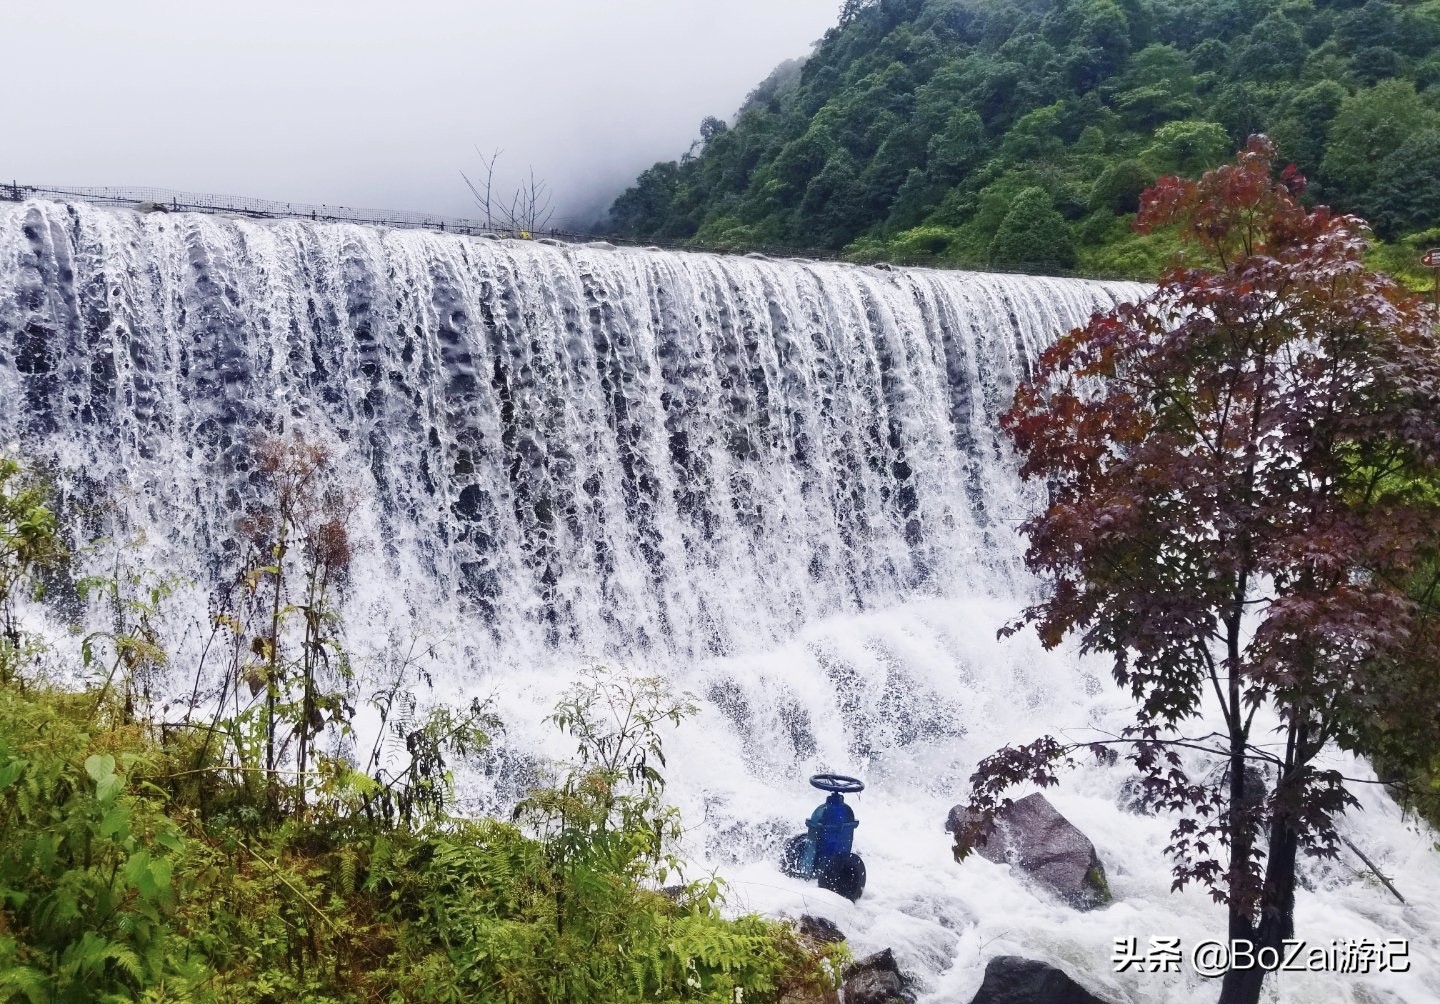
780,484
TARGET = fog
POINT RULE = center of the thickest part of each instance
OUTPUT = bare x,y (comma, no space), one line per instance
379,104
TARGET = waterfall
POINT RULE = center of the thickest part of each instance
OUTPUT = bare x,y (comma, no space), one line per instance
616,452
781,484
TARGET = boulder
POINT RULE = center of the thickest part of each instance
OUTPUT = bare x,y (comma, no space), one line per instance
875,979
819,929
1257,784
1032,836
1010,979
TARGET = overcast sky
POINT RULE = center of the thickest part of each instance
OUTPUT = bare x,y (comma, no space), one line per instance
377,103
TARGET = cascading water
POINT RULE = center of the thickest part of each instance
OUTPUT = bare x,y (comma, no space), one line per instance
780,484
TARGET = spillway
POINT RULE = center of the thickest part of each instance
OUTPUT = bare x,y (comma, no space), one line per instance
779,484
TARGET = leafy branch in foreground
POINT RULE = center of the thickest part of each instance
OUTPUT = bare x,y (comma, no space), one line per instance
1242,517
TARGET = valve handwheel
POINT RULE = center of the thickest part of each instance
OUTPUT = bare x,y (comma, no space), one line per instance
837,782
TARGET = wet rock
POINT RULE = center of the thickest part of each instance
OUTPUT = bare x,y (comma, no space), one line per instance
876,979
819,929
1257,784
1010,979
815,933
1032,836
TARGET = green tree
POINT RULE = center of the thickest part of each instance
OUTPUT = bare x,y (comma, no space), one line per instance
958,148
1186,147
1119,186
1274,50
1406,191
1033,235
1370,126
1376,63
1303,133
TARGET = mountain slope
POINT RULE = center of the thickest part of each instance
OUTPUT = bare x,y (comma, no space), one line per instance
1019,133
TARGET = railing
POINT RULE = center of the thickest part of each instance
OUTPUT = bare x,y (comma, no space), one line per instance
167,200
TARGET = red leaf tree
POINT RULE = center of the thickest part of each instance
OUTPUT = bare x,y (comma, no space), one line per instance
1242,516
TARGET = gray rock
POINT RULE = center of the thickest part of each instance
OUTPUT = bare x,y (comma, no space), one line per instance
875,979
1257,784
1032,836
1010,979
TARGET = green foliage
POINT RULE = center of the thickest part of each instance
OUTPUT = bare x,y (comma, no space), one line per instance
1370,126
1118,187
1188,147
140,863
29,546
911,116
1406,190
1033,235
87,868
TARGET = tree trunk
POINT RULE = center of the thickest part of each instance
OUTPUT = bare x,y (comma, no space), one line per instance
1277,916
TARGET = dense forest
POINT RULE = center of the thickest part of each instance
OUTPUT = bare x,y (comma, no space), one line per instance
1020,133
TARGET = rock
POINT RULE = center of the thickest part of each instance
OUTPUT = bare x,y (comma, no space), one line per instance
1010,979
1033,837
1257,784
815,933
875,979
600,245
819,929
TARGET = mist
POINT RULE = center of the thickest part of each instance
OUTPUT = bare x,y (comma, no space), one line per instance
381,105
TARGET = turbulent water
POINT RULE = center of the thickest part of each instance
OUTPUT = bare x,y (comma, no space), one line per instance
781,484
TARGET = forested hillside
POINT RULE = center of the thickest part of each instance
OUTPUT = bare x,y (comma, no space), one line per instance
1019,133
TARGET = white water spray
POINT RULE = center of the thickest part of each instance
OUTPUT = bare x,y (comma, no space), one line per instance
780,484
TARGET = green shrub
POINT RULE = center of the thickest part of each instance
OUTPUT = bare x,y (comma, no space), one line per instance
87,869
